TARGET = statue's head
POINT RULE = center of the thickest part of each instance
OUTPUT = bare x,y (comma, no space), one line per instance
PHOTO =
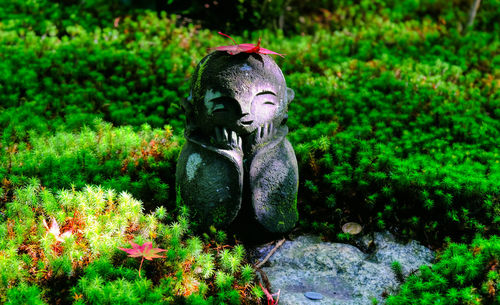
238,92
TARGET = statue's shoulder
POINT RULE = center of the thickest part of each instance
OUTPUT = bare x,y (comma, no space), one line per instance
274,184
210,184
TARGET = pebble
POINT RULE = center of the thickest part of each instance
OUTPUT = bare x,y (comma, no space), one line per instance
313,295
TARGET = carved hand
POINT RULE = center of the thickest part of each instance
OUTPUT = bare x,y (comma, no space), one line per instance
227,139
264,133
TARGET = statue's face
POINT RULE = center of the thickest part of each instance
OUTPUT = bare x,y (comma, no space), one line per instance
239,94
241,109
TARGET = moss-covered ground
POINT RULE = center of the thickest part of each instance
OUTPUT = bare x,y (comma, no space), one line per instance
395,123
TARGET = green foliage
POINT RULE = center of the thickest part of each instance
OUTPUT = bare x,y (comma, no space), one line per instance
105,284
462,275
294,16
24,294
139,162
231,260
398,271
247,274
396,130
53,17
386,115
80,260
94,224
124,75
395,124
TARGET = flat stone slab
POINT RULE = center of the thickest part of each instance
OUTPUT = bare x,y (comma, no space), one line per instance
341,273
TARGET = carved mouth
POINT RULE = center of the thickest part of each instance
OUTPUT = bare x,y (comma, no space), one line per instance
247,122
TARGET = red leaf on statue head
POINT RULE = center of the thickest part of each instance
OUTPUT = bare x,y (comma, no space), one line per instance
146,250
244,48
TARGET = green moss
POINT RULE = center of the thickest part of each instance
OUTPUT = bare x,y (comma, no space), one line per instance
82,260
198,77
395,121
461,275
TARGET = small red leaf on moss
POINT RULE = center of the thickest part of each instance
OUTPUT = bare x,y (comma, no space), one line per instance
54,230
270,297
146,251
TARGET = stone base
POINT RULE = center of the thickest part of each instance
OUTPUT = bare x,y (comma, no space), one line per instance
342,273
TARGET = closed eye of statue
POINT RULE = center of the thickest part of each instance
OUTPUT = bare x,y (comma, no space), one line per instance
223,104
268,97
219,108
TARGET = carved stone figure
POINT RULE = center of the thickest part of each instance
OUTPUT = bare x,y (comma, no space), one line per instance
236,161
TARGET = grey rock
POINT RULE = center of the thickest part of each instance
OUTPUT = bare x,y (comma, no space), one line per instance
341,273
390,250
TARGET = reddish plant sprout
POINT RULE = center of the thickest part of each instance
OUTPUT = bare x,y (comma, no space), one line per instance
146,251
270,297
245,48
54,230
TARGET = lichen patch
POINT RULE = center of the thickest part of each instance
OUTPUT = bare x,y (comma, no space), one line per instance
245,67
209,96
192,165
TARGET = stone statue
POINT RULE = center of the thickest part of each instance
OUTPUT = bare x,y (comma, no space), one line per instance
236,161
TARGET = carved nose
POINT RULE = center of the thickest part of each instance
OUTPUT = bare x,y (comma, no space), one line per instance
245,119
245,109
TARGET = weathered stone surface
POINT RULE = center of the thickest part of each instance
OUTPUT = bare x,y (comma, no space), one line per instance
341,273
237,161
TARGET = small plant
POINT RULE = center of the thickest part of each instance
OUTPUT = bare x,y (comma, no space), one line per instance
398,271
247,274
146,251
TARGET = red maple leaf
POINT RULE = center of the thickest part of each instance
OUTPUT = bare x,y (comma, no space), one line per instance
146,251
270,297
244,48
54,230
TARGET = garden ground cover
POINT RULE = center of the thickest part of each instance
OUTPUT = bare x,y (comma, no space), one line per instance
395,122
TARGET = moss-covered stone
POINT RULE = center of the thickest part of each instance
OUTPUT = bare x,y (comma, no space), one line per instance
236,151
